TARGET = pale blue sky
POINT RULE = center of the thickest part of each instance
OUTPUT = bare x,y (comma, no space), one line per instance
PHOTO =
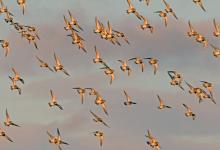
170,45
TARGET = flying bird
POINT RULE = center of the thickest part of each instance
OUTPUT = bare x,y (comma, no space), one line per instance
92,91
164,16
217,29
22,4
169,9
122,35
74,22
153,142
3,134
200,3
5,46
146,1
201,39
146,25
138,61
176,79
189,112
216,51
125,67
43,64
133,10
162,105
209,87
58,66
97,58
56,139
14,85
109,72
8,121
100,136
101,102
128,101
53,101
98,119
17,76
191,31
81,92
153,62
98,26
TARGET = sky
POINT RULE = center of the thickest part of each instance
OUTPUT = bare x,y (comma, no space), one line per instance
170,45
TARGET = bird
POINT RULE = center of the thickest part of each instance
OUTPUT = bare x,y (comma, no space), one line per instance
8,121
176,79
169,9
68,25
53,101
58,66
189,112
56,139
17,76
164,16
34,30
209,87
98,27
216,51
162,105
138,61
100,136
5,46
122,35
97,58
128,101
125,67
110,35
101,102
199,2
192,90
73,21
3,134
217,29
191,31
146,25
92,91
201,39
44,64
14,85
133,10
200,93
109,72
153,142
81,92
98,119
4,9
31,39
8,18
78,40
146,1
22,4
153,62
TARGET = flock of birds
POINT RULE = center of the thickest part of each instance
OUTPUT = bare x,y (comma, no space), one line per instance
30,33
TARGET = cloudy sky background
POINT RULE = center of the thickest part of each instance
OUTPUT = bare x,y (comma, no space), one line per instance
170,45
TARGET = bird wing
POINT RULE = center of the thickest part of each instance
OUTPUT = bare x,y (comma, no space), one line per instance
215,25
14,71
128,98
50,135
97,54
7,116
94,114
57,59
